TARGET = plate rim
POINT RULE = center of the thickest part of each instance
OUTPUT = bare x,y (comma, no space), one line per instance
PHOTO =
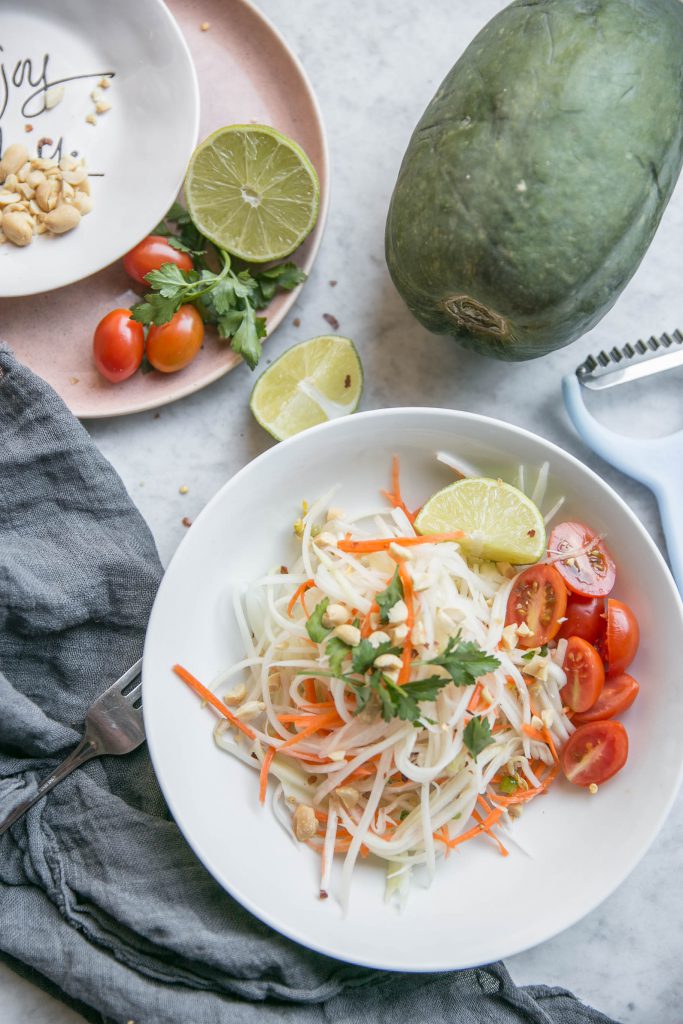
290,930
158,401
164,12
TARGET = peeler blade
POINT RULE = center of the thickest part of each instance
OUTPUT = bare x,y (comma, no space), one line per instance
620,365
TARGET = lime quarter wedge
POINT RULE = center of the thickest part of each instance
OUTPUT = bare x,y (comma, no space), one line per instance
499,521
312,382
252,191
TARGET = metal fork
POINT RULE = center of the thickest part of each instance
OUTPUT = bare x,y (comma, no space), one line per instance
113,725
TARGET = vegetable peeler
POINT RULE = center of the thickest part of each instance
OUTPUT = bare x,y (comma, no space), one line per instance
655,463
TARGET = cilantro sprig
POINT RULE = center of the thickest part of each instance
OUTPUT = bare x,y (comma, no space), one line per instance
226,294
464,661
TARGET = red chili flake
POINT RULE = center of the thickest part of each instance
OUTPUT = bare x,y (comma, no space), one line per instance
28,127
45,142
323,894
347,380
333,284
283,570
296,322
186,521
332,321
531,533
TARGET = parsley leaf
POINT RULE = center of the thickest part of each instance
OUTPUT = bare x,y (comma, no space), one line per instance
386,599
364,654
336,650
246,340
425,689
464,661
477,735
314,626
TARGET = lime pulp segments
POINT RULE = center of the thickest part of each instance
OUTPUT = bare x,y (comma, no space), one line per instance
314,381
500,522
253,192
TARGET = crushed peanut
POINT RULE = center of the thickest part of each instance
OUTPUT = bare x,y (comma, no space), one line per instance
183,489
592,789
205,26
39,195
304,822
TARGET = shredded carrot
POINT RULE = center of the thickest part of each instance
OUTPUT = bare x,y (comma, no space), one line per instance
503,849
263,774
360,547
328,720
404,674
533,734
310,692
299,593
394,496
474,699
549,741
485,825
527,794
213,700
366,625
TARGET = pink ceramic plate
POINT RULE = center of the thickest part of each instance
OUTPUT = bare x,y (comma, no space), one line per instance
246,73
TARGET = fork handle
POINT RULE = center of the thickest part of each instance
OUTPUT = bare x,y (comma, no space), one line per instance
85,750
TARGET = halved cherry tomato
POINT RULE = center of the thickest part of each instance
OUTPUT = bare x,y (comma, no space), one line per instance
594,753
150,254
622,637
538,598
585,618
172,346
585,675
617,695
591,574
118,345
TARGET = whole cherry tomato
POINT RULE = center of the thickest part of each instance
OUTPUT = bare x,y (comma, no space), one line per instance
150,254
118,345
172,346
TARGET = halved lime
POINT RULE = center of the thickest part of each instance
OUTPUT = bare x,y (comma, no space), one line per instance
499,521
314,381
252,191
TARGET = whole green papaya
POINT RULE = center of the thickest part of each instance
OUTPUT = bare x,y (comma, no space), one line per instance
536,178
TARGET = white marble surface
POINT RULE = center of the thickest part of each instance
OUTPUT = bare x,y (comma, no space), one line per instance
375,66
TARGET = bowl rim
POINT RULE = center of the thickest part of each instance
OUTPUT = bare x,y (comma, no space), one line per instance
291,930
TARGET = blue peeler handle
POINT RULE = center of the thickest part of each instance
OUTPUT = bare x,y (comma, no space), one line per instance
656,463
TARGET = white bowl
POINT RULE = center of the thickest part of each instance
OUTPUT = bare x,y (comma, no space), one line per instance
136,153
480,906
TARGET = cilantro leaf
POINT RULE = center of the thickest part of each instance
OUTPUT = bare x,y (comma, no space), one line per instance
477,735
364,654
425,689
464,661
246,340
530,655
386,599
336,650
155,309
314,625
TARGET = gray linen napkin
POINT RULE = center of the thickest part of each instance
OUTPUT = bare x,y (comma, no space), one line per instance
101,900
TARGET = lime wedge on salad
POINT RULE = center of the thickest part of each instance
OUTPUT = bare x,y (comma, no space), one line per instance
252,191
499,521
314,381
